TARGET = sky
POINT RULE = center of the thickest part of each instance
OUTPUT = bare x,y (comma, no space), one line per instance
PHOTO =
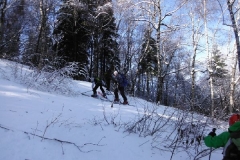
38,122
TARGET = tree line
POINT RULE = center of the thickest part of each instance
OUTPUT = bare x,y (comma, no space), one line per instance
182,53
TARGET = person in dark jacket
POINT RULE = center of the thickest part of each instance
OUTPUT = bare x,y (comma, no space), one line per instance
120,87
97,82
108,77
223,139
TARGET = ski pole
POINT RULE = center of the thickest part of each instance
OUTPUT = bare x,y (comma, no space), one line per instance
211,149
112,103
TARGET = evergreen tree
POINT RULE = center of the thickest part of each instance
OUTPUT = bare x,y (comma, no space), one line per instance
71,32
104,44
218,65
86,33
148,63
109,46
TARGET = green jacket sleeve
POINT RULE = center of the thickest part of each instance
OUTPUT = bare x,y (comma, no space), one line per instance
217,141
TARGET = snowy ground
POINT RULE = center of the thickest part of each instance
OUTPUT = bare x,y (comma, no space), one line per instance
39,125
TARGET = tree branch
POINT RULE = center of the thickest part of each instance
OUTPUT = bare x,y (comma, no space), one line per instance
79,147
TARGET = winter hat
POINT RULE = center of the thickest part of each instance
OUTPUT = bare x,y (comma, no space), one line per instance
234,118
115,73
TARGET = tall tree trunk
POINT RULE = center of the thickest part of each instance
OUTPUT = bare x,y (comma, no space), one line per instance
195,41
159,72
237,56
235,29
148,84
159,59
233,84
41,42
3,5
193,76
209,59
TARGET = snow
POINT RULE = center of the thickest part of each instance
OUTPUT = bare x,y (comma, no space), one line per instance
42,125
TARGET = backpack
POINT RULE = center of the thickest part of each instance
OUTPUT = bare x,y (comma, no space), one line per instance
124,82
232,148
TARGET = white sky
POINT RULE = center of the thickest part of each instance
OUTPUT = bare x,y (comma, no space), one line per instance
78,126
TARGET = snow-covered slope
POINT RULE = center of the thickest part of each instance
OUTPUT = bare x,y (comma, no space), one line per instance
40,124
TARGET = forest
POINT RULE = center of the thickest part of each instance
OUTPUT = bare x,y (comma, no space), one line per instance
179,53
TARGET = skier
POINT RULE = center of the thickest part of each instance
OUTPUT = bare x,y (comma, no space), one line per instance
108,77
120,82
97,82
229,140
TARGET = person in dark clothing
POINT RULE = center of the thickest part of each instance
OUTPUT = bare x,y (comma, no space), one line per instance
120,87
108,76
97,82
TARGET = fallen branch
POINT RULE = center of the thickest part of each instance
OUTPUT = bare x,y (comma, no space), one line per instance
67,142
62,141
51,124
5,128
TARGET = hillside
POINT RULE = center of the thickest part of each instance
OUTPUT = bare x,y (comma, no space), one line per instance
53,121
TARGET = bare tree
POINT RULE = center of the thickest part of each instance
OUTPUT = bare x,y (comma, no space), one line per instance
196,36
156,16
233,8
205,14
235,58
130,41
230,5
233,83
46,7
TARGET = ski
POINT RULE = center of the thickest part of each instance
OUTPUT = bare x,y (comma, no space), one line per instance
126,104
101,97
98,97
121,103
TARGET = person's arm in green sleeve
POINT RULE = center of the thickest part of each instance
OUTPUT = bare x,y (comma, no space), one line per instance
217,141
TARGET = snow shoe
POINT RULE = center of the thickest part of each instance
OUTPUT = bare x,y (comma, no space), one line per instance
116,100
94,95
125,102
